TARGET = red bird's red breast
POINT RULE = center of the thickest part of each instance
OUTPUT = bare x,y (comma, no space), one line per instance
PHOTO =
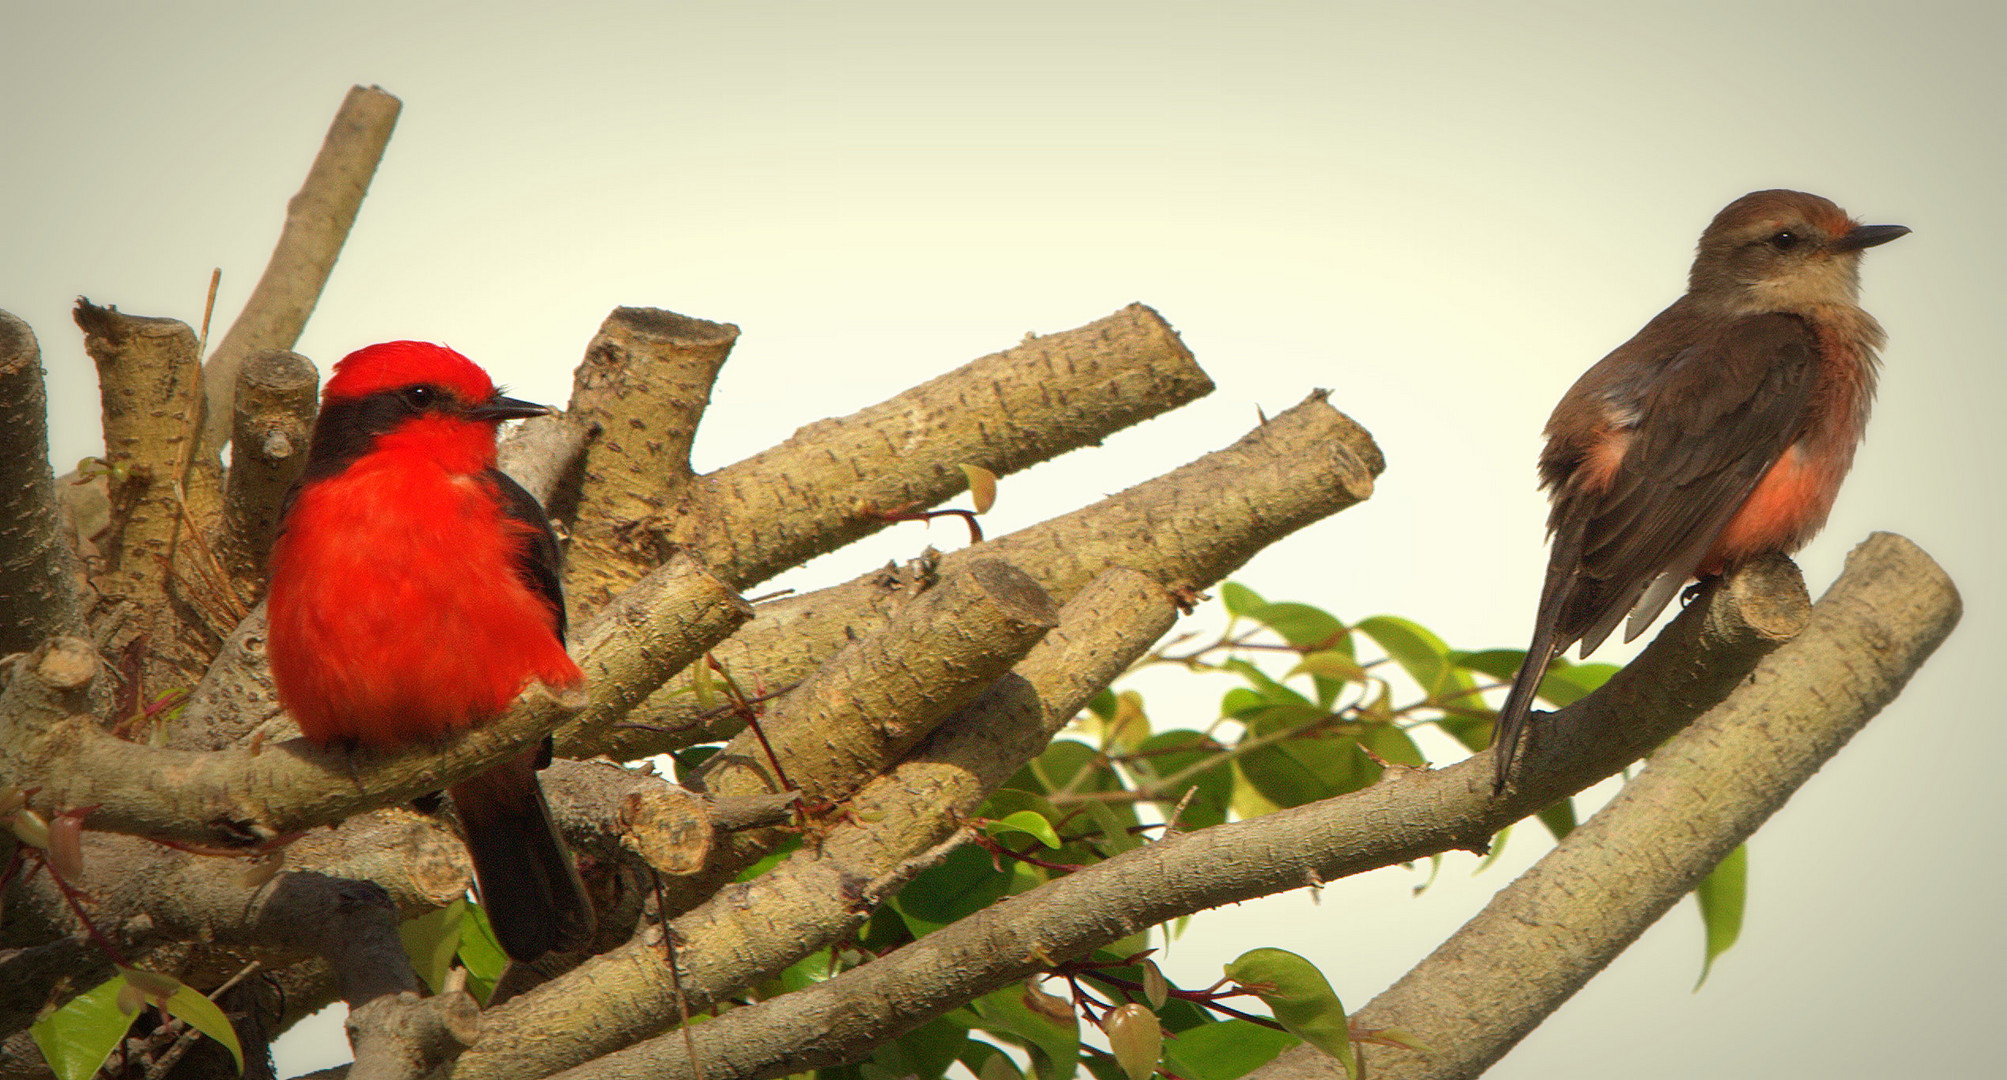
380,558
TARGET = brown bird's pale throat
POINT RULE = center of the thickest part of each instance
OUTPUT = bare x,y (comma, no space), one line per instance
1720,432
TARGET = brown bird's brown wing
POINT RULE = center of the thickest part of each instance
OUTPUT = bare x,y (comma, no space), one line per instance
1717,419
1710,420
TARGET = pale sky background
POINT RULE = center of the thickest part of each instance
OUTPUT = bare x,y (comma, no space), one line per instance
1442,211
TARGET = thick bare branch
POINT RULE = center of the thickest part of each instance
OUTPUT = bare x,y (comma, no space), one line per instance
1192,526
274,406
645,383
38,569
318,218
544,454
1548,933
873,701
1875,627
161,492
832,481
407,1036
899,824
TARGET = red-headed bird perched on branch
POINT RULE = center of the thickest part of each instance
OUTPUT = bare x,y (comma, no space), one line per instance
414,593
1718,434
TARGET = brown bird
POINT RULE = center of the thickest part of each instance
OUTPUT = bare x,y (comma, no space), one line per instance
1719,433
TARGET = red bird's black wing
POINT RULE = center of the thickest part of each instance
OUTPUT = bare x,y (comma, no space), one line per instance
530,886
540,564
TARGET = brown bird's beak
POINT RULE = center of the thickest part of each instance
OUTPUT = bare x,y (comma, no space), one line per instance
503,408
1867,236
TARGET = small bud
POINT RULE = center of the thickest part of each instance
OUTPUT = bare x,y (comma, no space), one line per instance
31,828
1156,988
66,846
1135,1039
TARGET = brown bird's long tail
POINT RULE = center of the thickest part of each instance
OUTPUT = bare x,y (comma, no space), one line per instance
528,883
1518,707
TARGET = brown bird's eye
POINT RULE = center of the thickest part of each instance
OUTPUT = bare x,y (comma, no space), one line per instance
1784,240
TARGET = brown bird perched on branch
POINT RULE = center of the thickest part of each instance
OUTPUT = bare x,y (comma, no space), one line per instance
1719,433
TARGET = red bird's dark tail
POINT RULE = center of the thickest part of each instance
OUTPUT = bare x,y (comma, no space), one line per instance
529,885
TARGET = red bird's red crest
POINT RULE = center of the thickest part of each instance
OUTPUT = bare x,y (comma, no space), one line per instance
395,364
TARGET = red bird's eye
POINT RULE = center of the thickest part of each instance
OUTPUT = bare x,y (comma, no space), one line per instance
419,398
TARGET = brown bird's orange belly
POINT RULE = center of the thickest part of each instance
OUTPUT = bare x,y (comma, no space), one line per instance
1789,505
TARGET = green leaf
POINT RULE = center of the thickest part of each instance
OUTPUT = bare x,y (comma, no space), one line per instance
986,1062
1392,744
925,1052
1302,625
1225,1051
1722,895
1271,691
1102,704
1331,664
1238,599
480,953
1028,822
1056,767
1295,772
1301,999
807,971
1055,1043
1435,870
959,885
431,940
77,1038
1566,683
1168,753
1500,664
202,1014
1420,653
1497,851
1559,818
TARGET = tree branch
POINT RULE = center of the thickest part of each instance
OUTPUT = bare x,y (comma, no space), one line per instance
899,824
645,382
318,219
1548,933
150,385
1192,526
872,702
38,569
832,481
1875,627
274,417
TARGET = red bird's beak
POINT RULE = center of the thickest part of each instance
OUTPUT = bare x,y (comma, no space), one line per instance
1867,236
502,408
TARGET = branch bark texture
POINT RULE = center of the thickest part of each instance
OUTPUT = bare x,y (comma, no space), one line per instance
1701,794
38,569
1192,526
1880,621
897,825
318,219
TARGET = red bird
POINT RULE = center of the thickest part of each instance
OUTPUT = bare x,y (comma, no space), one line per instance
414,593
1719,433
